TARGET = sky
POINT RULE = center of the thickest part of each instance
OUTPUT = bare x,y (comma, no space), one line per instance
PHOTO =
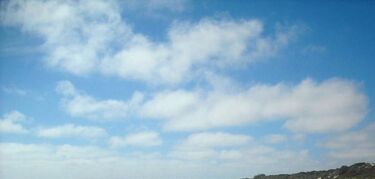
184,89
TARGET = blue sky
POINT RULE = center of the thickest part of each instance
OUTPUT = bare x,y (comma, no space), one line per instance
184,89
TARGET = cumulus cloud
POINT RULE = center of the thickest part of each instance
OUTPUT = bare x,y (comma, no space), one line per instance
78,104
140,139
71,130
308,107
83,37
10,123
353,146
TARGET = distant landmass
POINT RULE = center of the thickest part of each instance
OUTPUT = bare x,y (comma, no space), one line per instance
356,171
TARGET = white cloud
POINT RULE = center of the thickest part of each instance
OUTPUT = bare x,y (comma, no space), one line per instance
14,116
52,161
353,146
309,107
140,139
275,138
271,160
71,130
191,47
83,37
46,152
207,145
78,104
83,152
214,139
14,90
76,33
10,123
66,88
236,150
7,126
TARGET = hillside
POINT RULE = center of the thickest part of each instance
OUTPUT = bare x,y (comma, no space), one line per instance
357,171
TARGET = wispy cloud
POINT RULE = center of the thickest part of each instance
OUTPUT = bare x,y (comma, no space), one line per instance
314,49
275,138
139,139
72,131
89,161
207,145
78,104
14,90
11,123
353,146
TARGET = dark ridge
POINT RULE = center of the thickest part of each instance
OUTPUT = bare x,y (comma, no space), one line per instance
356,171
